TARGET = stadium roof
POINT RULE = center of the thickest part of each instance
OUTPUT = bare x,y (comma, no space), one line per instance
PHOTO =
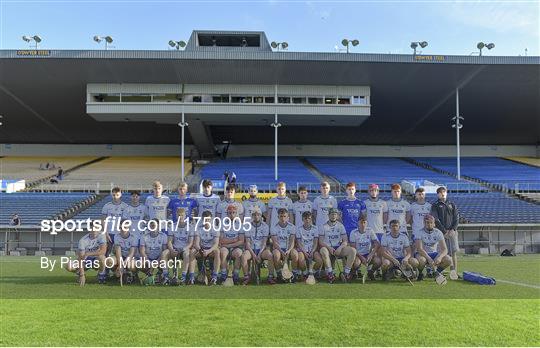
43,94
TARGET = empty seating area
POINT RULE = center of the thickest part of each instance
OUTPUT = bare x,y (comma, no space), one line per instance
129,173
493,207
509,175
27,168
532,161
33,207
260,171
383,171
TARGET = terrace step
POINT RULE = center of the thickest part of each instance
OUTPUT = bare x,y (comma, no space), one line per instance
334,183
32,184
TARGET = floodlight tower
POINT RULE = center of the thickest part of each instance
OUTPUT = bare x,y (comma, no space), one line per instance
108,40
348,42
277,45
482,45
415,44
177,44
35,38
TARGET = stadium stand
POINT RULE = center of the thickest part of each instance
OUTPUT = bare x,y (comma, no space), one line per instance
498,172
532,161
384,171
27,168
32,207
260,171
129,173
493,207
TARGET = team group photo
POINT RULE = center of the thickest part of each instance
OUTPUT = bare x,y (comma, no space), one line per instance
281,173
216,241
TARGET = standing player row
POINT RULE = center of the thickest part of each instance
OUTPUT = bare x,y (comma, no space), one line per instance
377,211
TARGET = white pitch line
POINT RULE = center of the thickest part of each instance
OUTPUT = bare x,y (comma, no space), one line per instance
519,284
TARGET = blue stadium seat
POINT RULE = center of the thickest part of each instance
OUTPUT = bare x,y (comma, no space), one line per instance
260,171
493,207
33,207
383,171
494,170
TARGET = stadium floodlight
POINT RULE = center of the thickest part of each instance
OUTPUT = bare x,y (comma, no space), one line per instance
283,45
36,38
108,40
482,45
348,42
182,124
457,125
415,44
177,44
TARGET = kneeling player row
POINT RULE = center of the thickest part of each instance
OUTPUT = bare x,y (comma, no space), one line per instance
309,250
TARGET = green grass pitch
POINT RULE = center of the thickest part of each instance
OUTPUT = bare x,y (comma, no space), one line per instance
45,308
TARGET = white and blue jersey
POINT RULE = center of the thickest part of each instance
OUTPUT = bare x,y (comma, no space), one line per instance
231,232
208,203
207,236
91,244
157,207
126,243
321,205
418,211
257,234
396,245
277,203
307,236
113,210
135,214
154,244
189,204
430,240
221,210
397,210
180,235
251,204
283,234
363,241
351,210
332,233
299,208
374,213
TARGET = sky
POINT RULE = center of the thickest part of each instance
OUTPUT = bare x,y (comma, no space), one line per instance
386,26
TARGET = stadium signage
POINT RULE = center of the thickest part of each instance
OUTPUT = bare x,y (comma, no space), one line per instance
430,58
33,53
264,197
